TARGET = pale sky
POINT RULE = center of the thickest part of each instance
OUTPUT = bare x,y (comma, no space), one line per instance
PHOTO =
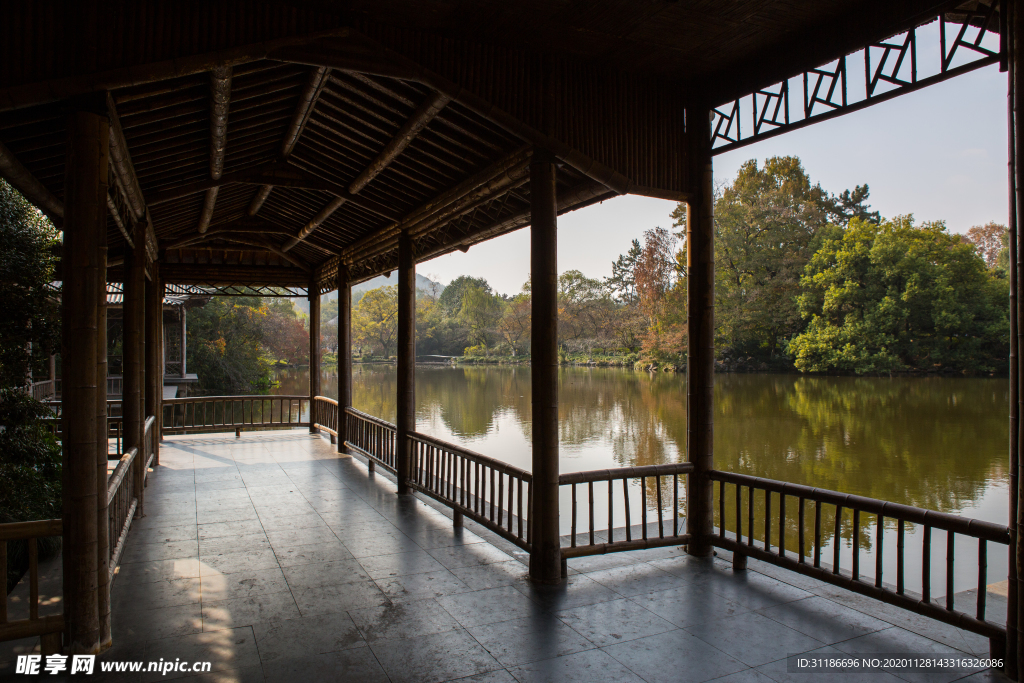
939,154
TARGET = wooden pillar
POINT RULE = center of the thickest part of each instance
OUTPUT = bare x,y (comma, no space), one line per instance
700,364
184,336
344,354
546,555
1013,649
102,447
406,419
314,350
132,406
85,221
154,352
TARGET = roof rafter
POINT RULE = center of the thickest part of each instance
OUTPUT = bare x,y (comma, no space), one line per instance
220,100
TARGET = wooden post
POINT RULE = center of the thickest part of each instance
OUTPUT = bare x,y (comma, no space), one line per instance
344,354
700,363
314,350
102,447
85,224
154,353
1013,646
183,338
546,555
406,421
134,357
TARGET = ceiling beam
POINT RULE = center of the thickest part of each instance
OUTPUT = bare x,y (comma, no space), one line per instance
419,120
28,185
307,101
220,99
121,162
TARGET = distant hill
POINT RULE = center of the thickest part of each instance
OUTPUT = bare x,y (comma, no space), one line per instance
422,282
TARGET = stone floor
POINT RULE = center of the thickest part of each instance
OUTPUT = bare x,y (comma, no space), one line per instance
276,559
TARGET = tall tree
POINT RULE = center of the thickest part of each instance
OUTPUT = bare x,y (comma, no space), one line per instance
989,241
30,324
375,320
896,296
451,298
623,280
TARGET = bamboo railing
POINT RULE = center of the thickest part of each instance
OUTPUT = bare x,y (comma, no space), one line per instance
488,491
593,543
797,560
227,413
122,500
372,438
49,627
324,415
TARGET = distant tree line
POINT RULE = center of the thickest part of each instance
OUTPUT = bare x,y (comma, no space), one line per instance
805,280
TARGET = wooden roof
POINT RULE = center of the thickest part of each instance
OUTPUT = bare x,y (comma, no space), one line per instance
269,142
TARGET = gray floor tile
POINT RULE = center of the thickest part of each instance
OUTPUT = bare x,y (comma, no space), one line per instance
529,640
294,555
690,604
823,619
243,527
358,664
379,544
228,649
400,564
422,586
755,591
898,641
753,639
404,620
577,591
607,623
243,584
492,575
221,614
674,657
499,676
433,658
305,576
581,667
262,557
339,598
490,606
148,552
468,555
779,671
249,674
279,640
635,579
155,594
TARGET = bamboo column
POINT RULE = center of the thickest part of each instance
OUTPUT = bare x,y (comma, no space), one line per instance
85,190
314,351
1013,646
134,357
102,447
1015,606
406,422
154,353
546,555
700,364
344,354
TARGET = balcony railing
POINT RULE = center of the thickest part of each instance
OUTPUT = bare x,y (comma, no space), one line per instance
227,413
48,627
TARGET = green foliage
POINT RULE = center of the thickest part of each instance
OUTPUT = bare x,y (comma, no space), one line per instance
622,283
375,320
450,300
479,313
31,313
30,474
226,346
895,296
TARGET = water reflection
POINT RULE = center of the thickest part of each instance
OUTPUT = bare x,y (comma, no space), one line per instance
933,442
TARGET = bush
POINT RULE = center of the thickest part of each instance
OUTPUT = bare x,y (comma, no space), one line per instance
30,474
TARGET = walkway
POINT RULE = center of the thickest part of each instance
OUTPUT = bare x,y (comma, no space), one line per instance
276,559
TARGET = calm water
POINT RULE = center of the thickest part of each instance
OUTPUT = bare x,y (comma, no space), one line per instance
937,443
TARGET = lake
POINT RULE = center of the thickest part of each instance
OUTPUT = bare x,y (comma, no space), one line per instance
934,442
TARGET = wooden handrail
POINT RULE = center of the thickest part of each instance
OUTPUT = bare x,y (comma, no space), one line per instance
20,531
625,473
487,461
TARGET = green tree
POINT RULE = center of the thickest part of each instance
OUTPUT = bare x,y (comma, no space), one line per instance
375,320
895,296
226,346
514,324
30,324
451,298
622,283
768,223
480,313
